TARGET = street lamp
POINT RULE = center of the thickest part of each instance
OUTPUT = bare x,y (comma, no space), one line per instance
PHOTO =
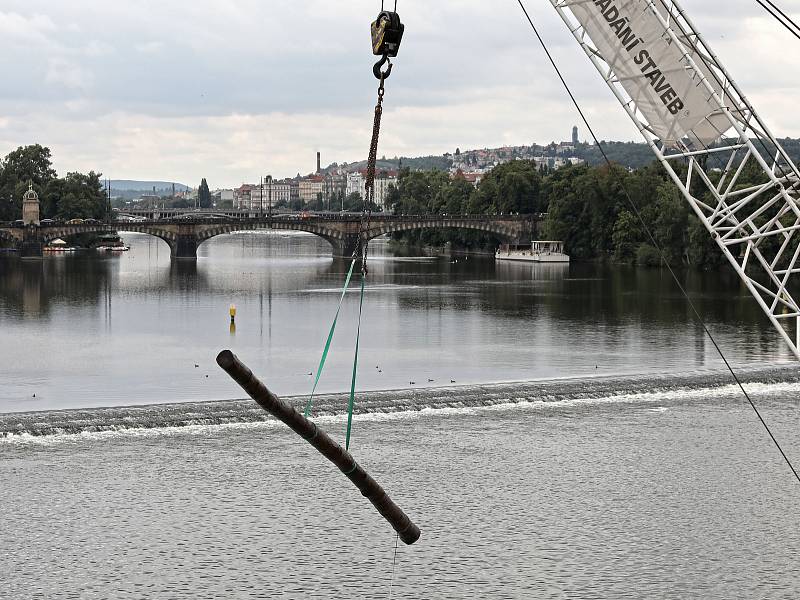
269,201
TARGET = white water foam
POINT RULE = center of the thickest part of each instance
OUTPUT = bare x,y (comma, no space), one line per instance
679,395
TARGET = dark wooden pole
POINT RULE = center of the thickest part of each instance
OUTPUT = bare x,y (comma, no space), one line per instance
315,436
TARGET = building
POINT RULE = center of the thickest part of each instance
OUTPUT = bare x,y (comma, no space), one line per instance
243,195
473,178
30,207
310,188
226,196
357,184
338,183
575,135
277,192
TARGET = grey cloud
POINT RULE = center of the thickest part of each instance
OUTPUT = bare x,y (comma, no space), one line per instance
300,72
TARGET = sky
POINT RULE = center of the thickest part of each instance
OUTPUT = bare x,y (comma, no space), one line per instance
231,90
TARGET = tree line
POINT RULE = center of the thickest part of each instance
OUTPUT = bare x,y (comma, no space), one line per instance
76,195
588,207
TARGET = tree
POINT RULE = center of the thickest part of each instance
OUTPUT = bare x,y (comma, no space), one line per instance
626,237
316,204
456,196
204,195
670,225
29,163
512,187
80,196
353,202
25,165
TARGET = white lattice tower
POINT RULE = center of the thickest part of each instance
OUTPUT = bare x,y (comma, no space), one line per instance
755,226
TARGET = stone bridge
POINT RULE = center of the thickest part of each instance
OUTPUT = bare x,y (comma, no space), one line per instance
184,235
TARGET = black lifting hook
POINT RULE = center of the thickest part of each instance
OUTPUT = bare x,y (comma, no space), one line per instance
376,70
387,33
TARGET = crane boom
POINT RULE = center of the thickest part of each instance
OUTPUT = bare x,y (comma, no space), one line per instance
704,131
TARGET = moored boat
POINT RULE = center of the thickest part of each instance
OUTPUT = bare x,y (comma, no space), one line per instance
111,242
538,251
58,245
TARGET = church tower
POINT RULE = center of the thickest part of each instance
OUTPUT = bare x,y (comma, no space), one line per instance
575,135
30,207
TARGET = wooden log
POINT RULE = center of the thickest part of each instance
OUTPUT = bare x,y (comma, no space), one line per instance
315,436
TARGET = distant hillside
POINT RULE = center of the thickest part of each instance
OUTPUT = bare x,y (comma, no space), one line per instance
636,155
629,154
420,163
130,185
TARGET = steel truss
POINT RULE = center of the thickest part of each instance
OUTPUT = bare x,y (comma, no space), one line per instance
755,226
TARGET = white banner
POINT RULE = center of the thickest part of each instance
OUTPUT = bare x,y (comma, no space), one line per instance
652,69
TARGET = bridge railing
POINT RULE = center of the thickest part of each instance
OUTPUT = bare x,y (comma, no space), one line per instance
284,218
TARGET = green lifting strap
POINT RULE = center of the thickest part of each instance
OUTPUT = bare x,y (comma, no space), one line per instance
330,339
355,367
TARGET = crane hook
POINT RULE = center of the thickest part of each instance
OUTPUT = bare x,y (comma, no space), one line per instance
376,70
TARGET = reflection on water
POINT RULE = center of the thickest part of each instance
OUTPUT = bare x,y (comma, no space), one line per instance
89,330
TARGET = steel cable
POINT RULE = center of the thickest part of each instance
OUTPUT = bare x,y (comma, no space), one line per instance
783,19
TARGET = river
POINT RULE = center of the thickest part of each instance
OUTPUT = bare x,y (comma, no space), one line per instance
569,432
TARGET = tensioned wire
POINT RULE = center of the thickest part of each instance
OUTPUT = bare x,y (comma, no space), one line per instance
783,19
658,247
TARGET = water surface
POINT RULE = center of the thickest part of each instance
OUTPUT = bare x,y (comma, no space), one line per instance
578,439
81,331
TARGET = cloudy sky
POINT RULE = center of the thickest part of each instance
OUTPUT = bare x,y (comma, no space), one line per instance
233,89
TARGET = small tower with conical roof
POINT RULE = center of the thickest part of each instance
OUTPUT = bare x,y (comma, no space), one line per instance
30,207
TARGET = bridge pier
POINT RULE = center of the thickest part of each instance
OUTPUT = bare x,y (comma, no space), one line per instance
185,246
346,246
32,244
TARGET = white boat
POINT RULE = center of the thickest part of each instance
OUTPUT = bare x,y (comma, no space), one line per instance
111,242
539,252
58,245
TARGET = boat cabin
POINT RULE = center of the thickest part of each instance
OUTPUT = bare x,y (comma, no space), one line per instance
547,247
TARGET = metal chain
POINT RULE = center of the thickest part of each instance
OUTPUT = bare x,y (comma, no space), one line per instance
369,186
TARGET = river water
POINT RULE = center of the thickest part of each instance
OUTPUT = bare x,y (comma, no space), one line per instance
578,438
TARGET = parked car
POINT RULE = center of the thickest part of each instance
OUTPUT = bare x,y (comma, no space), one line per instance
75,222
47,222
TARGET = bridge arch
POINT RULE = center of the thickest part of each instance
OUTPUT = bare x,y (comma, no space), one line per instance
51,233
344,240
504,231
334,237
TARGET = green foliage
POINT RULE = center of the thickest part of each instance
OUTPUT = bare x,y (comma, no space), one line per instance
703,251
355,203
648,256
512,187
567,217
626,237
588,208
76,195
204,195
316,204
